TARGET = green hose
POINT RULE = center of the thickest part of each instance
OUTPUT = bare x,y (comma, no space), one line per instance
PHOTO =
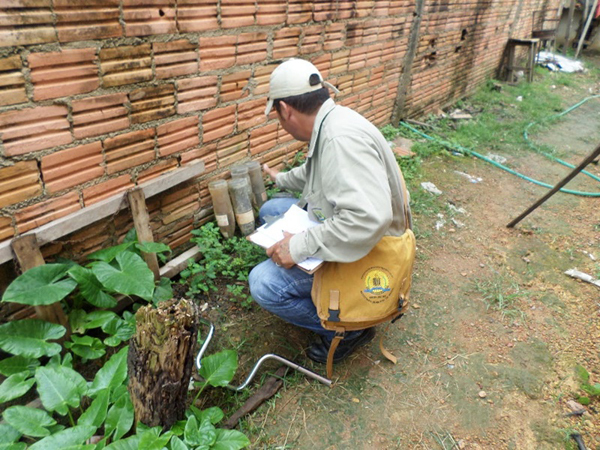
470,152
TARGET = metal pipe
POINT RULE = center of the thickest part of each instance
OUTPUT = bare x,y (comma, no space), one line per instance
281,359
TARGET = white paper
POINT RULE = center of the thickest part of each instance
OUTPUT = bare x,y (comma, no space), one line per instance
294,221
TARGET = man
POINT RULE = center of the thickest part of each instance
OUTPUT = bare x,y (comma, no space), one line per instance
350,183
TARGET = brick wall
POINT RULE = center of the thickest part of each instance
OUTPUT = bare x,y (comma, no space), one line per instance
97,96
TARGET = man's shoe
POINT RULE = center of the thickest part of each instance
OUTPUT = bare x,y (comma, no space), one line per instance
319,350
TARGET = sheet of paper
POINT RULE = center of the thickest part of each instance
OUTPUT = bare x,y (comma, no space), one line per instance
294,221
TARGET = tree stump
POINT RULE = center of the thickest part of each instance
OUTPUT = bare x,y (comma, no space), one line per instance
160,361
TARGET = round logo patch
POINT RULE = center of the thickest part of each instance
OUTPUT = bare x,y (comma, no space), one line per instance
377,282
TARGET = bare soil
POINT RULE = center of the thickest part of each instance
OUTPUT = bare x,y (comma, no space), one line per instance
472,374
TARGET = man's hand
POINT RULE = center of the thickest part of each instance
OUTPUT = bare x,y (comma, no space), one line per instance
271,172
280,252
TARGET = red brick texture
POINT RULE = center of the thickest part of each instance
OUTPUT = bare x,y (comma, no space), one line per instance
98,96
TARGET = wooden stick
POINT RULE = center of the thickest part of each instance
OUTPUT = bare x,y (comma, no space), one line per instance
555,189
141,221
585,28
569,24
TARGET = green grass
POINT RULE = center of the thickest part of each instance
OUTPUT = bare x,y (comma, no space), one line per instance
501,294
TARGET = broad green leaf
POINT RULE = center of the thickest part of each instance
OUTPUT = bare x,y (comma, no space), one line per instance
8,435
112,374
40,285
77,320
214,414
199,435
177,444
131,236
178,427
118,392
68,439
100,319
131,277
162,292
230,440
219,369
96,412
119,418
91,289
153,247
110,253
86,346
121,330
55,361
592,390
28,338
28,421
131,443
152,439
582,373
17,364
59,387
15,386
584,400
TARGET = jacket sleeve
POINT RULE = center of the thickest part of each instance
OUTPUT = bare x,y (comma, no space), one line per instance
355,183
294,180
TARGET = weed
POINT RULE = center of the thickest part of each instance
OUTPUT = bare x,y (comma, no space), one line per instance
501,294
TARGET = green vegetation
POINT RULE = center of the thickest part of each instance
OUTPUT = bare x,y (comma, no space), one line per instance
590,390
501,294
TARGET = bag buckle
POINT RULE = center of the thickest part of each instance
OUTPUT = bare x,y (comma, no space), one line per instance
334,315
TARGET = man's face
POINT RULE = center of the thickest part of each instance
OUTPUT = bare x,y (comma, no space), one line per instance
288,119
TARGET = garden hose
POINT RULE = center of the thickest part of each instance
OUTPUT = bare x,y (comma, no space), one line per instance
466,151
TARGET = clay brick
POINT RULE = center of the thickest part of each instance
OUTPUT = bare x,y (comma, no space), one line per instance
12,83
270,12
263,139
237,13
152,103
345,9
251,113
19,182
235,86
185,207
129,150
6,229
194,94
381,8
311,40
26,22
232,150
71,167
363,8
157,170
339,62
106,189
299,11
94,116
334,36
196,15
174,59
41,213
82,20
178,234
357,59
262,76
282,135
324,10
125,65
285,43
217,52
370,32
323,63
251,47
26,130
65,73
178,136
148,17
218,123
206,153
374,53
354,33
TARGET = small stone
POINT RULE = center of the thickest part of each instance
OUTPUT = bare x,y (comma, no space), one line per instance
355,400
482,394
416,306
464,274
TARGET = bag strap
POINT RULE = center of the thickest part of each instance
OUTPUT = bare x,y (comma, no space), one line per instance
339,335
385,352
405,202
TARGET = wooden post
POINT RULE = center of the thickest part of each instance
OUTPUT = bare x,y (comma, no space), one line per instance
569,25
28,254
141,221
160,360
556,188
586,27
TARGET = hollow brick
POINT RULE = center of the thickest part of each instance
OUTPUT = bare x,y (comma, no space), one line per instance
71,167
285,42
299,11
311,40
6,228
262,75
62,74
251,113
232,150
237,13
251,48
41,213
149,17
82,20
218,123
19,182
270,12
263,138
106,189
178,136
235,86
324,10
196,15
205,153
334,36
104,114
12,82
125,65
152,103
175,59
129,150
195,94
157,170
25,23
217,52
26,130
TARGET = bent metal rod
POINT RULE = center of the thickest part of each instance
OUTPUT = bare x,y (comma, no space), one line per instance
287,362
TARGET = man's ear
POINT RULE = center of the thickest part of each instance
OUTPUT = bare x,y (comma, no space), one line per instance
285,110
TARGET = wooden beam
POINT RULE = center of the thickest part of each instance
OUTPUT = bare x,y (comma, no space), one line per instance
29,256
90,214
141,221
176,265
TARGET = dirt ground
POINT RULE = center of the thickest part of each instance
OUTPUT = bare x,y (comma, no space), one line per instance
471,375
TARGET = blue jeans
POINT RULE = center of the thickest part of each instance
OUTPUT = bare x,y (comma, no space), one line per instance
286,292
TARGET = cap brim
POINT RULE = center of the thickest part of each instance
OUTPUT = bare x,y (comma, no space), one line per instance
269,106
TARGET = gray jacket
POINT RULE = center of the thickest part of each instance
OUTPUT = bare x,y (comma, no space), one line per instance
352,184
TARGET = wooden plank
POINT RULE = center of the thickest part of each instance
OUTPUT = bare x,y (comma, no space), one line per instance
29,256
176,265
90,214
141,221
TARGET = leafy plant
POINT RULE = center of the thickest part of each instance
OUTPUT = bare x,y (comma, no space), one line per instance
591,390
501,294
